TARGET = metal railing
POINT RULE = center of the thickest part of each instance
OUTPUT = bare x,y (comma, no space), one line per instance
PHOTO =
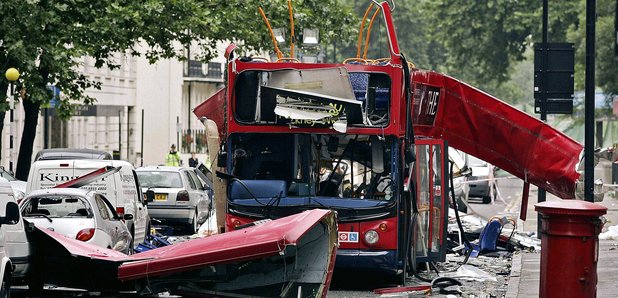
193,140
210,70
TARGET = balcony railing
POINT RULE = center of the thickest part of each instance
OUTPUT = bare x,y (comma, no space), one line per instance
193,140
210,70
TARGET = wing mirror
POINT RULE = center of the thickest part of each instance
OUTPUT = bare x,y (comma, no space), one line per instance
150,195
127,216
12,214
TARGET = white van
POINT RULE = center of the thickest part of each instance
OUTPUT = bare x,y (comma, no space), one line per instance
14,247
121,189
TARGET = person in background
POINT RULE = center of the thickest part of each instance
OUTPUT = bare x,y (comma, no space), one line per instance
193,162
172,158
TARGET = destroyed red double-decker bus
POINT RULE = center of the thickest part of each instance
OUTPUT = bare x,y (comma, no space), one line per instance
369,139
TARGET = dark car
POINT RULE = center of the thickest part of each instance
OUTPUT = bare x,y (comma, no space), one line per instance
71,153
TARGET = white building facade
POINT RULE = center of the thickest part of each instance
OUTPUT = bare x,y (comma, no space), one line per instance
165,93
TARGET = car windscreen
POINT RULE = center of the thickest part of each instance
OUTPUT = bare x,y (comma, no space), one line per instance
6,175
159,179
475,162
57,206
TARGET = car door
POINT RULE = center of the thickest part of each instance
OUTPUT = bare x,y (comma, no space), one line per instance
106,222
196,192
141,218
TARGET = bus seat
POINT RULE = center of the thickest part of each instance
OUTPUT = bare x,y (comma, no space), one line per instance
359,82
259,189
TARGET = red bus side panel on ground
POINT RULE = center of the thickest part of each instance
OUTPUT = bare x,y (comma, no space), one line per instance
264,240
483,126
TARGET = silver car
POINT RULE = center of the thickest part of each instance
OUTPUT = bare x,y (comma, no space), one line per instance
179,195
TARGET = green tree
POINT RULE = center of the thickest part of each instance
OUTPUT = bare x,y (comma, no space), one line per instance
606,66
44,39
482,38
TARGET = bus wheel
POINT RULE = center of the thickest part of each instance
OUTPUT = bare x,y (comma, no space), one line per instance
192,227
35,284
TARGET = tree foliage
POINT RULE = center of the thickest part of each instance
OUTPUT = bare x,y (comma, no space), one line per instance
482,38
606,69
45,39
482,43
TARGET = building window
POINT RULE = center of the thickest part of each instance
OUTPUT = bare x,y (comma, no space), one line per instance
214,70
195,69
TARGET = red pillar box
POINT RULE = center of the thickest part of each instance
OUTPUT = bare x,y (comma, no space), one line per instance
569,247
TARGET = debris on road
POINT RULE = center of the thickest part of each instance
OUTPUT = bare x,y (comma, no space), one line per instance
611,234
469,272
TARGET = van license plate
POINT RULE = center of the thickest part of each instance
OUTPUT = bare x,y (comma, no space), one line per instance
160,197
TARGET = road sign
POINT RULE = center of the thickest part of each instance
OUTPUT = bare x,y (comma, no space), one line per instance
554,106
55,100
554,68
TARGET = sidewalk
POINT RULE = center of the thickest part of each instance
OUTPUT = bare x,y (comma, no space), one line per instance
525,271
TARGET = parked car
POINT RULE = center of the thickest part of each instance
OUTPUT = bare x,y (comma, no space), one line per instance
461,172
179,195
79,214
121,189
71,153
479,180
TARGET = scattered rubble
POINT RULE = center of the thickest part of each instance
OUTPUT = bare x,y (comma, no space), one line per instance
610,234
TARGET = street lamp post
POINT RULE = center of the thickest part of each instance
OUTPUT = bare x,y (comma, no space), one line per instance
11,75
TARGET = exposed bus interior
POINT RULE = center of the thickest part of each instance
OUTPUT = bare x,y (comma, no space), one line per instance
328,97
312,170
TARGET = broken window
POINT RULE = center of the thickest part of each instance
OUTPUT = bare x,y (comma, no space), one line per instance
328,97
336,166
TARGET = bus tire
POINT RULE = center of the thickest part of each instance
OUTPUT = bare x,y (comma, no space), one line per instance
35,284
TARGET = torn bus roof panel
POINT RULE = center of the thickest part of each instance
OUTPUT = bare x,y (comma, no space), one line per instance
290,257
353,108
305,112
213,108
332,81
484,126
279,256
67,262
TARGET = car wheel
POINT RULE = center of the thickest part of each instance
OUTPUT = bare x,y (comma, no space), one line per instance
5,288
492,192
131,249
132,244
148,228
461,206
192,227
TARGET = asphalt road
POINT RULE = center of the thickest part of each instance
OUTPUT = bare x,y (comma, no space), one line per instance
507,203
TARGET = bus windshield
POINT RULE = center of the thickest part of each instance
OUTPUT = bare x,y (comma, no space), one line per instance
313,165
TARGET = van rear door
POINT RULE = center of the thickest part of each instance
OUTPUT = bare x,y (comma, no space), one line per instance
47,174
